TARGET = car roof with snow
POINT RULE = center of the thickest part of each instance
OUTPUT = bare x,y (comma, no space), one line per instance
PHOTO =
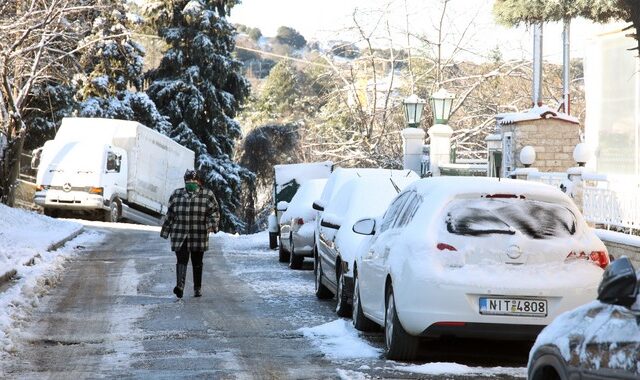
301,203
445,188
341,175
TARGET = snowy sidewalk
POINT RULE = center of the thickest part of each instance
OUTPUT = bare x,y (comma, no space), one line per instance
26,235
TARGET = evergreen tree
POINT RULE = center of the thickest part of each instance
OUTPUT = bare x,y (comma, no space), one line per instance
289,36
113,67
199,86
50,102
514,12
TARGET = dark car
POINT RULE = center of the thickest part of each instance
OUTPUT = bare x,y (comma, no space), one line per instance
599,340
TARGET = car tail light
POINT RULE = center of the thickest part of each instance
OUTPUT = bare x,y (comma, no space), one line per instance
299,221
445,246
600,258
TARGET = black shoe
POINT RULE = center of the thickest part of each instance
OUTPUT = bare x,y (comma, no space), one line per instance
178,292
197,293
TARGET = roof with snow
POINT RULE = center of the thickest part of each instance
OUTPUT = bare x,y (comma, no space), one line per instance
535,113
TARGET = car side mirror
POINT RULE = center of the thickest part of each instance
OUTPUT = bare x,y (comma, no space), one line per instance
282,206
318,205
619,285
365,226
330,221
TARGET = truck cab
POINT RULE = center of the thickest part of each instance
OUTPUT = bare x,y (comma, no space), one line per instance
85,177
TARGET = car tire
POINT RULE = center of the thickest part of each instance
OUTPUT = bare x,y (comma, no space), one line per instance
283,256
112,215
399,345
273,240
360,321
343,309
322,292
295,261
547,364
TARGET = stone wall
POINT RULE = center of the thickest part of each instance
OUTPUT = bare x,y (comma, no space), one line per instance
619,249
552,139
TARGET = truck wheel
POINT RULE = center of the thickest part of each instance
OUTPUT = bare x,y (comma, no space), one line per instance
273,240
113,213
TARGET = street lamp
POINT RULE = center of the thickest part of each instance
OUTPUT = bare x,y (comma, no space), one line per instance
441,103
413,107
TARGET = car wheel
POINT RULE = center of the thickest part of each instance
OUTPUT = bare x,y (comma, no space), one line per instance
360,322
283,255
399,344
295,261
343,309
322,292
273,240
113,213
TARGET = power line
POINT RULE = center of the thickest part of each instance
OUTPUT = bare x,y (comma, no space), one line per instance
283,56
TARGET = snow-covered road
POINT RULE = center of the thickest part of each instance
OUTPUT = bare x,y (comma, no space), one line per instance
102,306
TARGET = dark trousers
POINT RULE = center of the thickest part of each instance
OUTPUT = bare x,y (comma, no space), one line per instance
196,262
183,256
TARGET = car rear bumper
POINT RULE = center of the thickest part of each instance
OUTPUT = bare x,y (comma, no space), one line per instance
454,310
484,331
302,245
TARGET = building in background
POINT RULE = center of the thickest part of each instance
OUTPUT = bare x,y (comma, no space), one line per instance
612,91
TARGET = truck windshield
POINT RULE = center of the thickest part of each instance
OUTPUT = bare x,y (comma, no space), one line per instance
535,219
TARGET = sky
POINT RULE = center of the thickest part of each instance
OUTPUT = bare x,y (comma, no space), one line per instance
328,19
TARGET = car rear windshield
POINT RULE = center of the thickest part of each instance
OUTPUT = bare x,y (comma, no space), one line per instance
536,219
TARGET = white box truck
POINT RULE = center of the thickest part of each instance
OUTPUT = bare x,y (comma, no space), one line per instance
110,169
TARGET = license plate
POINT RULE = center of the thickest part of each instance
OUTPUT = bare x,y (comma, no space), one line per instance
526,307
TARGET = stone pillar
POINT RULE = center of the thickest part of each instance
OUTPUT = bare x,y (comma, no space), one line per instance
412,142
440,136
574,186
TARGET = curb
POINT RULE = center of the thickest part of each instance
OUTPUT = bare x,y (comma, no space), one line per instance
62,242
6,277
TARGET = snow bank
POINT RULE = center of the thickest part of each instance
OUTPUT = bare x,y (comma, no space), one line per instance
339,340
24,239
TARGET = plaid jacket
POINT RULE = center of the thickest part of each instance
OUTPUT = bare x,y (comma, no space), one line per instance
191,216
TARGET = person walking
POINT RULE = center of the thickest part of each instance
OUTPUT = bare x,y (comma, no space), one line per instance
192,214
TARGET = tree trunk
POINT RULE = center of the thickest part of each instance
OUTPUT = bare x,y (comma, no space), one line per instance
10,168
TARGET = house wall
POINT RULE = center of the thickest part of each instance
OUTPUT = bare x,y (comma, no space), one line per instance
552,139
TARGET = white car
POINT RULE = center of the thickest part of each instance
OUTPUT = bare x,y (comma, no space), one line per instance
358,198
297,223
473,257
326,288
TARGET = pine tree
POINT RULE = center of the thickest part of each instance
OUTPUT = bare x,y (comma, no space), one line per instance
514,12
199,86
113,67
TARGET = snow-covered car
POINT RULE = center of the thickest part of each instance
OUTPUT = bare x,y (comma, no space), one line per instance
336,180
358,198
473,257
599,340
297,223
287,179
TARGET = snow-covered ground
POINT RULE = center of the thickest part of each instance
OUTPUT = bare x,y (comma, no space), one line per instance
25,238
